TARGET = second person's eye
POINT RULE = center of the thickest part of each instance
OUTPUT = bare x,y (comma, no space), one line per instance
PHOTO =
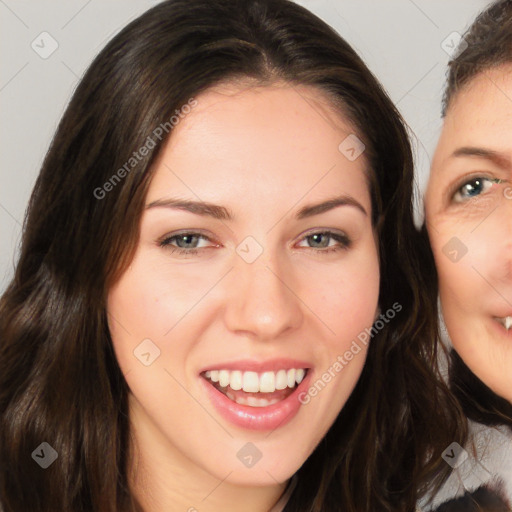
472,188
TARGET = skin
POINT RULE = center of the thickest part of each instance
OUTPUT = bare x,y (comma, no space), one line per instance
263,153
477,288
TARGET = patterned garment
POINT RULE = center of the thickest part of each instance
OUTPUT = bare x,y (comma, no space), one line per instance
481,479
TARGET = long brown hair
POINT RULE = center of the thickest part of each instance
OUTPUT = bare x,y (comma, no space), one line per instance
486,44
59,380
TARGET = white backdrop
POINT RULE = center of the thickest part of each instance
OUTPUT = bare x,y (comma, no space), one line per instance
46,46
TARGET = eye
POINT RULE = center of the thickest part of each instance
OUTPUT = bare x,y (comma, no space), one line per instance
473,188
186,242
325,241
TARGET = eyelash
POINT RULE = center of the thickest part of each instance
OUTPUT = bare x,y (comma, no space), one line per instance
167,243
343,240
467,181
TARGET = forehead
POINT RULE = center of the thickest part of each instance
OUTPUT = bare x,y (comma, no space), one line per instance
292,112
275,136
480,114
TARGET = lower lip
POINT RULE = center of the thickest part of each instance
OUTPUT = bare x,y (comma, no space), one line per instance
257,418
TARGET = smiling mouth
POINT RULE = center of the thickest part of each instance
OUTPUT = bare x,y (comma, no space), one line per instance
506,322
255,389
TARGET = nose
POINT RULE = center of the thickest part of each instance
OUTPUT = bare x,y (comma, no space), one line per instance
262,303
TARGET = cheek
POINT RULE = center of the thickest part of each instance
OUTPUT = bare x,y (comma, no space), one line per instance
147,303
347,296
467,259
155,293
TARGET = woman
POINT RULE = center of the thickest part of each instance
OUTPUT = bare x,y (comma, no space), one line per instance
469,220
219,302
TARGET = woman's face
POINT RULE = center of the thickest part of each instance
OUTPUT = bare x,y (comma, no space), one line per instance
256,267
469,219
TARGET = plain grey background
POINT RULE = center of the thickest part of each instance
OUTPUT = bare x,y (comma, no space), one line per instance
406,43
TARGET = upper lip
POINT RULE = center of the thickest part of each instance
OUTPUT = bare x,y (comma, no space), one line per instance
500,316
250,365
500,310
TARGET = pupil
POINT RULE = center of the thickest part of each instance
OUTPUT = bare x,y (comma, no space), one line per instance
319,240
474,188
186,241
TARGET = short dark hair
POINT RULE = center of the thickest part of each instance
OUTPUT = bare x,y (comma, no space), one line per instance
59,378
485,45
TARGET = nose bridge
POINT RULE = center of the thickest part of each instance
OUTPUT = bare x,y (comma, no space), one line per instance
262,304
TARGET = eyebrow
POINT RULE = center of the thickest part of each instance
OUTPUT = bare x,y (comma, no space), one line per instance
222,213
197,207
488,154
316,209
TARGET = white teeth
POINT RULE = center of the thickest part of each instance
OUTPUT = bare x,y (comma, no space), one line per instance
291,378
224,378
251,401
252,382
281,379
235,382
268,382
506,322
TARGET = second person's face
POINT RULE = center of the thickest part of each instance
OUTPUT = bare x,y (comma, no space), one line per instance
469,220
